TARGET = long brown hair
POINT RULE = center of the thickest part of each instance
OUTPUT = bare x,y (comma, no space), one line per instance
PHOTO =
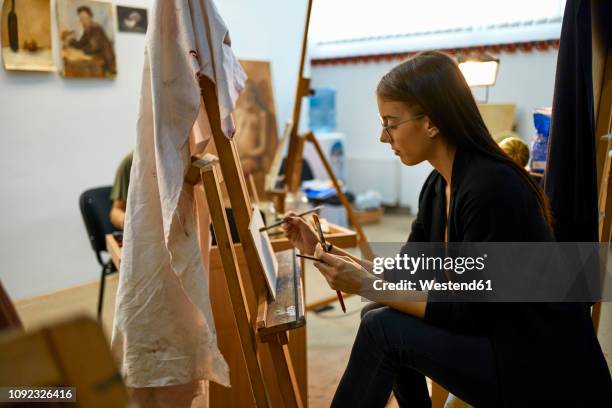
432,82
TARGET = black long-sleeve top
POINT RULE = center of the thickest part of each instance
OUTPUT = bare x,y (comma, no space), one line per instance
547,353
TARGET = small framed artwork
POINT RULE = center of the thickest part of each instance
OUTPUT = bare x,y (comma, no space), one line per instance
132,19
87,33
26,35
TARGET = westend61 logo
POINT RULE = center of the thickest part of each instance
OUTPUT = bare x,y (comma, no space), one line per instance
414,264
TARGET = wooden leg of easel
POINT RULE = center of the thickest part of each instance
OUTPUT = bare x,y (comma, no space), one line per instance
438,395
366,250
604,118
293,170
603,148
234,286
596,315
253,188
229,161
605,220
285,374
294,156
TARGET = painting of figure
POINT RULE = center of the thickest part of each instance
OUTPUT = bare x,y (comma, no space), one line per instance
256,132
86,31
26,35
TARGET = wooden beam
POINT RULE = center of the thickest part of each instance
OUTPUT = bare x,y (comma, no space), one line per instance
234,284
285,374
238,193
302,89
603,148
233,175
603,119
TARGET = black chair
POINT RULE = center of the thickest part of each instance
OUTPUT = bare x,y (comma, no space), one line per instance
95,207
307,173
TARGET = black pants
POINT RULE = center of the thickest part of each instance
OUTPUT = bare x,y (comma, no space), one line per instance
394,350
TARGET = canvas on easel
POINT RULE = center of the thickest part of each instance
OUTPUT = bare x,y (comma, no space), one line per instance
273,176
256,135
264,249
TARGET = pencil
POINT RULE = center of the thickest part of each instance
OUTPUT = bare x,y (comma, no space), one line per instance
276,224
315,217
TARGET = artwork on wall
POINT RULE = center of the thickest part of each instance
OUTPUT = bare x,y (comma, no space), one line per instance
131,19
256,133
86,32
26,35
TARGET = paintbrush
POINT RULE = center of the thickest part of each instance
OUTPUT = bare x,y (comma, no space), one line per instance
312,258
315,217
276,224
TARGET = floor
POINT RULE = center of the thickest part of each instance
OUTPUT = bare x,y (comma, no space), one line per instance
330,333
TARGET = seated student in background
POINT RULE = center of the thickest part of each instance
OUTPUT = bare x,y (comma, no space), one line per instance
516,149
120,191
519,152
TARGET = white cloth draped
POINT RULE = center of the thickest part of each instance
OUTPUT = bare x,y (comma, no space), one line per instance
163,333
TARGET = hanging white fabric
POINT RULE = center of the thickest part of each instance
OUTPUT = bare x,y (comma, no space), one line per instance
164,332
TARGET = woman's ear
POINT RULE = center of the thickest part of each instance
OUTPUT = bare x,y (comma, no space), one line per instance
432,130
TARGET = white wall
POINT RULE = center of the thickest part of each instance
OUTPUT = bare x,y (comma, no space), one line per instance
526,79
59,137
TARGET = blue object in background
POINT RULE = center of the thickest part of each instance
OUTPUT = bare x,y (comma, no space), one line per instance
539,148
322,110
336,159
320,193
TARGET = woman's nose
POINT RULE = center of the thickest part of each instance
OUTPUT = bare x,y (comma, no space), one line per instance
384,137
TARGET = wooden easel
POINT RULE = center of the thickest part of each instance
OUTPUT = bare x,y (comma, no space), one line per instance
603,141
293,163
72,353
257,319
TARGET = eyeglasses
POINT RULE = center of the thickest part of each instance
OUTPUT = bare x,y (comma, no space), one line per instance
388,128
